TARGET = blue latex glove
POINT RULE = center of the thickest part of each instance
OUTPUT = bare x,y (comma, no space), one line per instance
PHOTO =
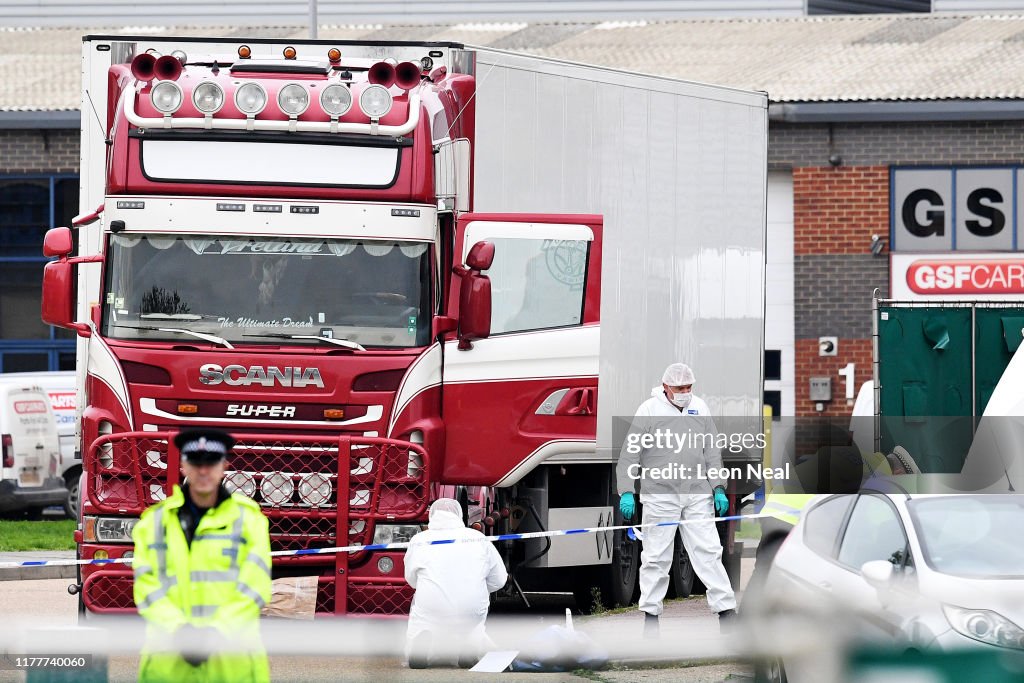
627,504
721,502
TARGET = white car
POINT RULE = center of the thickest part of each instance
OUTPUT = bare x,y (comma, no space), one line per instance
917,572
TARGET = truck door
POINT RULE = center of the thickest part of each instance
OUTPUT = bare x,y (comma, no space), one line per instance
528,391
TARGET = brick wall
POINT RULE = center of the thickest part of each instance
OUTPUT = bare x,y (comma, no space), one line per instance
38,151
810,364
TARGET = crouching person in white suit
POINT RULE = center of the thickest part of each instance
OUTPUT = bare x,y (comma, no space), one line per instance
453,583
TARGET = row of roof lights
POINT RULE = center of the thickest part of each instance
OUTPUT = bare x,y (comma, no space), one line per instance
293,99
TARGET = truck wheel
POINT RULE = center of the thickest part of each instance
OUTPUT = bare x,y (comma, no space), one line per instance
681,575
770,671
71,504
620,579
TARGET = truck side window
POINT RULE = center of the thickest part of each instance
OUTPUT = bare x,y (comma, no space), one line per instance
537,283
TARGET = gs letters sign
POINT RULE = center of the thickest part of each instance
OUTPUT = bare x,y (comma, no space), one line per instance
969,209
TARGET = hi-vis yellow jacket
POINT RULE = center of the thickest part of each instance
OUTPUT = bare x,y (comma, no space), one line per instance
221,581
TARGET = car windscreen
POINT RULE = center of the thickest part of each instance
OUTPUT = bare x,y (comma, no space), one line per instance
262,290
971,536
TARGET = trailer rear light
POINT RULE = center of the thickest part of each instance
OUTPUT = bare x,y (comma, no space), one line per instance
107,530
187,409
8,447
243,482
289,52
315,490
334,54
375,101
277,488
166,97
251,98
293,99
333,413
208,97
244,52
336,100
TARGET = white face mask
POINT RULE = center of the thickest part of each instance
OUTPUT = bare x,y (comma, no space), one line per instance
680,400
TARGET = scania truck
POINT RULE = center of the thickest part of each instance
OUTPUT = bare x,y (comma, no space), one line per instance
396,271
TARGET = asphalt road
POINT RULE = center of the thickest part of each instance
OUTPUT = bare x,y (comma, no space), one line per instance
42,611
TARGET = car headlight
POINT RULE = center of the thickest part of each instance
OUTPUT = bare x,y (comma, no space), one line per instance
985,626
394,533
108,529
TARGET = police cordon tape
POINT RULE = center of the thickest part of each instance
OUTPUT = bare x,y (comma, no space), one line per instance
401,546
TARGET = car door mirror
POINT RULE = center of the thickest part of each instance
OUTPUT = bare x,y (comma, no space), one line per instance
878,573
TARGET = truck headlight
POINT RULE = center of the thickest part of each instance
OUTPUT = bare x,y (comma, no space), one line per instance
293,99
315,489
250,99
394,533
985,626
336,100
277,488
166,97
208,97
108,529
375,101
243,482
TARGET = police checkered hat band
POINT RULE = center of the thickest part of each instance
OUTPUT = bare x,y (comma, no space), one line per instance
204,445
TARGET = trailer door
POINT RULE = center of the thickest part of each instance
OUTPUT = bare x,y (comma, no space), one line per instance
528,392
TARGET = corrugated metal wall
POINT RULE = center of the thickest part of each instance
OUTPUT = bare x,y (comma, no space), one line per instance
98,13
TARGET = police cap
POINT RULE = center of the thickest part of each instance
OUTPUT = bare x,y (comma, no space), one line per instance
203,446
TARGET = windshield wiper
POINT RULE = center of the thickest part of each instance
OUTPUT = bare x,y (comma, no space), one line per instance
330,340
201,335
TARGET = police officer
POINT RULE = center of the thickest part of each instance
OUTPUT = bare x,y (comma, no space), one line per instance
202,573
682,495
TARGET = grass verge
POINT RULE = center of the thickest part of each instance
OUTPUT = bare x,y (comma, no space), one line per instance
45,535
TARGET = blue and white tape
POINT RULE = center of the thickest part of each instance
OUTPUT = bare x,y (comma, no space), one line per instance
401,546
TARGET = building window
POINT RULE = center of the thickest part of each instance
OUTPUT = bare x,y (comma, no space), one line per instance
772,364
29,206
774,400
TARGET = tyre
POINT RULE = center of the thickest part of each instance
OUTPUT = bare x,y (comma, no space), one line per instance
770,671
619,581
681,575
72,504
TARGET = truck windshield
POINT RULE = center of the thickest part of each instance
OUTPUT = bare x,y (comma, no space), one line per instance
268,290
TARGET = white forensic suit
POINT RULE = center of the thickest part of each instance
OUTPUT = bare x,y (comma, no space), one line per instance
675,498
453,583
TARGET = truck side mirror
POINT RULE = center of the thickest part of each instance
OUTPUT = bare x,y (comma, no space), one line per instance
58,304
475,295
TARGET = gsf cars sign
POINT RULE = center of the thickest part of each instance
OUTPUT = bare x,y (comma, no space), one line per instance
956,277
968,209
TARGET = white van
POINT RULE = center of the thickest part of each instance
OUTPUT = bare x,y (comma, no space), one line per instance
30,474
60,387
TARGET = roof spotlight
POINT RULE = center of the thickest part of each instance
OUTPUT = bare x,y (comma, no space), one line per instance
166,97
208,97
336,100
293,99
250,98
375,101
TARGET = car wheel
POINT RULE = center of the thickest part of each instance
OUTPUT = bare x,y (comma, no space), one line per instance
770,671
72,502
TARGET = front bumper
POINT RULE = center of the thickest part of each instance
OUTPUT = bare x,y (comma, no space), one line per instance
14,497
